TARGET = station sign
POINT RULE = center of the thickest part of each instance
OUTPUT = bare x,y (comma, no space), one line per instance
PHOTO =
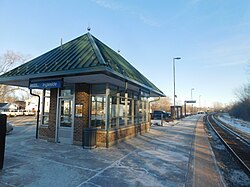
46,84
190,101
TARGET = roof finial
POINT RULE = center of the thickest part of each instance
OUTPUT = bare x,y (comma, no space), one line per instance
88,28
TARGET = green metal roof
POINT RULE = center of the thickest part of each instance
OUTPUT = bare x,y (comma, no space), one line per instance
82,55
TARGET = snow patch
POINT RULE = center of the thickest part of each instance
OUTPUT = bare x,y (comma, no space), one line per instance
240,178
162,123
241,125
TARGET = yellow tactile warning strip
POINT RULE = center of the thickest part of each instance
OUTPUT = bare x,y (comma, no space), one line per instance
206,172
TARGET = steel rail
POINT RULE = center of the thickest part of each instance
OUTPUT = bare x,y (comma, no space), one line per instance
231,131
229,148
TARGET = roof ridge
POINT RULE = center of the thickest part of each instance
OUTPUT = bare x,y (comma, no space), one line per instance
96,50
117,56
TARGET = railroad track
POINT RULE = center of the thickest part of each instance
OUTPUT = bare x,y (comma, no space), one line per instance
238,146
235,130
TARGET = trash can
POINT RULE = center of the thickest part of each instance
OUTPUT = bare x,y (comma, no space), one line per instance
3,119
89,138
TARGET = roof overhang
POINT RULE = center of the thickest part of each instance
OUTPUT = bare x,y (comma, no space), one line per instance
90,76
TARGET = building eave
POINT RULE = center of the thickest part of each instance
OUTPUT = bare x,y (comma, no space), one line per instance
23,81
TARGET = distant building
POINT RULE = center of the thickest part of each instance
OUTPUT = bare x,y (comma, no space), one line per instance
7,107
86,85
20,105
31,104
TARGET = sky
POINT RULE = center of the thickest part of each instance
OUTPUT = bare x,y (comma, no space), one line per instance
212,37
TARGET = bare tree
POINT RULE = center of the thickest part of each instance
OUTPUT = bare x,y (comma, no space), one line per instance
9,60
162,104
241,108
218,106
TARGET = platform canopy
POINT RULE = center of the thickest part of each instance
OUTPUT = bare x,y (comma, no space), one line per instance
81,60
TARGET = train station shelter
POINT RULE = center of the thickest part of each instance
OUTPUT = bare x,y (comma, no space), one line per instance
86,85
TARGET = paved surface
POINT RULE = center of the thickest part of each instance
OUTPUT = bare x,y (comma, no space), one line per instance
158,158
206,172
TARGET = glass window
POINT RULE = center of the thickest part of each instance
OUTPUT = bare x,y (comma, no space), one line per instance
66,113
140,104
98,111
144,109
47,93
66,91
79,110
45,107
124,109
121,111
116,111
129,111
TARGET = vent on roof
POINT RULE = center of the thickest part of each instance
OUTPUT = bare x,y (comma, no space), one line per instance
61,43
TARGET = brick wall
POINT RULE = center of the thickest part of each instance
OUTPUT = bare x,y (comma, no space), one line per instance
101,138
48,132
81,97
118,135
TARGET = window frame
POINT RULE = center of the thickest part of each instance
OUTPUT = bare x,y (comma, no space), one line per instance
43,115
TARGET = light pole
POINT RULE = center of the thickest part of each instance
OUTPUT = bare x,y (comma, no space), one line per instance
177,58
192,100
192,93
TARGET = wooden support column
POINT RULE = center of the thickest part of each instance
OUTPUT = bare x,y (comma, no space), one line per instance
117,115
137,112
147,110
126,109
107,125
133,111
143,110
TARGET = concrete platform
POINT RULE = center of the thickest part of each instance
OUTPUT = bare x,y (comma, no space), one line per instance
166,156
203,166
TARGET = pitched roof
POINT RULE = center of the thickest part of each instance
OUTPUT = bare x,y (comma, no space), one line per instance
85,54
2,105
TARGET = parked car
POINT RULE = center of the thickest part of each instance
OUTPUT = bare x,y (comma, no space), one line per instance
28,113
9,127
17,113
7,113
201,112
13,113
160,114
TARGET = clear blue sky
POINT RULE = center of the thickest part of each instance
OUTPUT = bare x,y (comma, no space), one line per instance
211,36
